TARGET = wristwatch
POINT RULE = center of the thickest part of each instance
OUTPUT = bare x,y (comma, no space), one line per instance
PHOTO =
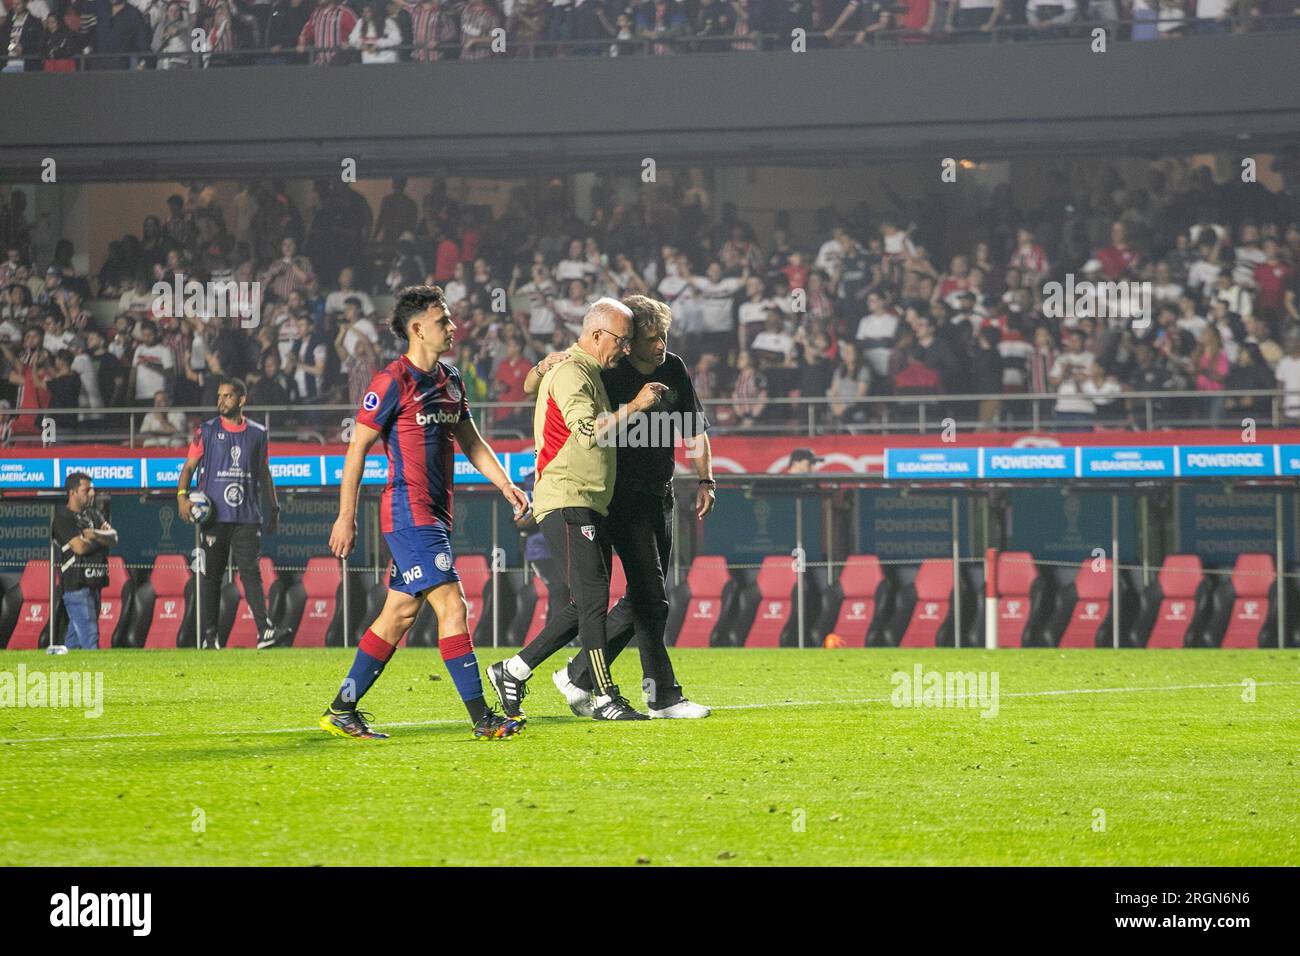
709,481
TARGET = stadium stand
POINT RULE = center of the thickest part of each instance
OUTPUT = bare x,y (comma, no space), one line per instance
948,305
240,33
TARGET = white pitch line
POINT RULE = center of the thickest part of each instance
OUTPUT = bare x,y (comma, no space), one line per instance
761,706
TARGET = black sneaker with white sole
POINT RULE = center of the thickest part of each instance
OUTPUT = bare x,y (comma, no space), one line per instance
509,690
268,639
614,706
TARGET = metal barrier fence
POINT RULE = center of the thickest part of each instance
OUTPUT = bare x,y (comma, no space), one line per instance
804,491
810,416
823,41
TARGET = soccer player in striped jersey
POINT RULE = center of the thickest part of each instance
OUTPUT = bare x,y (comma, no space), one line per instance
417,406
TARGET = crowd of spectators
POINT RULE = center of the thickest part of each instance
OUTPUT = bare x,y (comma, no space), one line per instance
168,34
863,305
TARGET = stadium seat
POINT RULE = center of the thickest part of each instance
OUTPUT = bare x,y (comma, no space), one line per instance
923,612
115,604
1082,607
767,612
531,608
617,582
162,611
1174,605
236,624
28,612
857,606
475,579
708,598
314,605
1243,607
1023,604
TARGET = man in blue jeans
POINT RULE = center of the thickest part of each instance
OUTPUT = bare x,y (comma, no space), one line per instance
84,540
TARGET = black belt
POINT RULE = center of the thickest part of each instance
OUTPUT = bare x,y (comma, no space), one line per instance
658,489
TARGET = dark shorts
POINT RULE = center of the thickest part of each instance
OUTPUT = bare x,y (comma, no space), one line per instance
422,559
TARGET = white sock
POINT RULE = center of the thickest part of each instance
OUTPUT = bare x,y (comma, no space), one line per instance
517,669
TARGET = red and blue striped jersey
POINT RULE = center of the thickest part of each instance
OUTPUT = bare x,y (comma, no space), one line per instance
415,412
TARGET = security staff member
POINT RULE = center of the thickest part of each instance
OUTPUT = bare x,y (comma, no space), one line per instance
230,453
573,428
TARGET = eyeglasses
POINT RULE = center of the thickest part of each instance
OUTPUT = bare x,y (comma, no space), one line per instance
624,341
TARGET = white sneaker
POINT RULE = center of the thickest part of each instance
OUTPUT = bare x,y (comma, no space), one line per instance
579,700
682,710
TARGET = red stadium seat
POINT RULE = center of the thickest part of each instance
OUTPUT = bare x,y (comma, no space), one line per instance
243,631
1174,604
114,601
536,613
1243,608
34,611
617,582
1020,592
1081,617
320,593
858,604
923,614
709,592
775,605
162,602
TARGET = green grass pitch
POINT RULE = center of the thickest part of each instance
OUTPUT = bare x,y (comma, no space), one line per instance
1151,758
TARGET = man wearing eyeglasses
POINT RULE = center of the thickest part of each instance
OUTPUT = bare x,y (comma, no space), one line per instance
574,427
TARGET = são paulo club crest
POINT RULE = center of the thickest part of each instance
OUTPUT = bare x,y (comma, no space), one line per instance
589,532
371,401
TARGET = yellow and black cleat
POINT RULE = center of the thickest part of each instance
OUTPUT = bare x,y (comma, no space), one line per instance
496,727
349,723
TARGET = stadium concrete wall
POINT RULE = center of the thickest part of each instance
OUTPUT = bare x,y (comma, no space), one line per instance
1204,94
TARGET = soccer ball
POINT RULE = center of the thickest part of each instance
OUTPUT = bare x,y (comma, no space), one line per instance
200,507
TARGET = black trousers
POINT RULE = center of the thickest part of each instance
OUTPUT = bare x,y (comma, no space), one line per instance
641,531
221,541
579,542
